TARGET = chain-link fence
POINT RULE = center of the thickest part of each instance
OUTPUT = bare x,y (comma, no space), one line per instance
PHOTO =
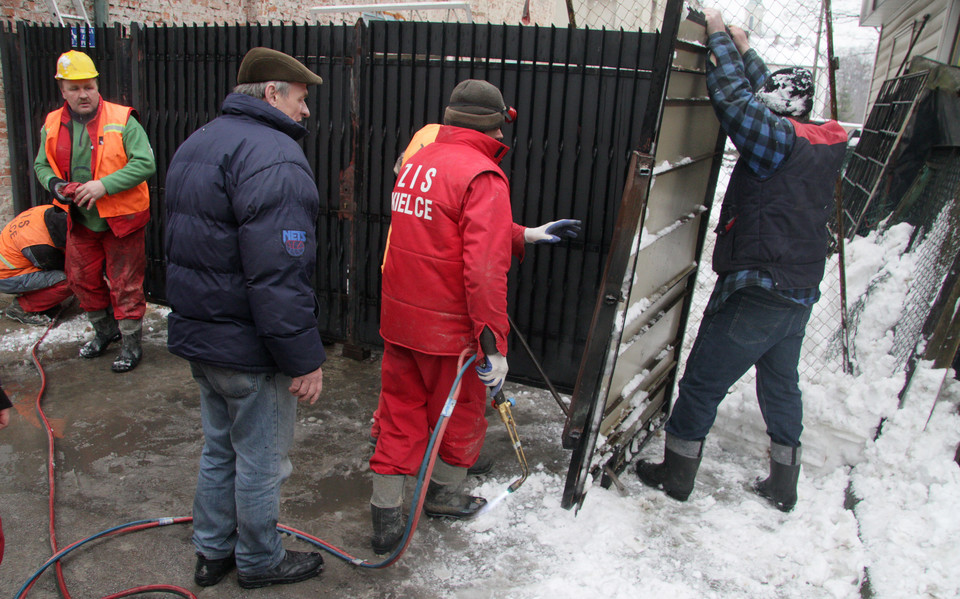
784,32
932,207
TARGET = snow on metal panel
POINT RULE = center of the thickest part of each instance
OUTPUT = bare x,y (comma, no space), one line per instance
634,379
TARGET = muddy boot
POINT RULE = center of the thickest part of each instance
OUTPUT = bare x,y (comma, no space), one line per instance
388,522
483,465
678,471
780,488
445,499
130,350
16,312
388,526
105,331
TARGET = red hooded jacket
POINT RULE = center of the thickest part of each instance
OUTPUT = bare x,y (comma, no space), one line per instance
445,270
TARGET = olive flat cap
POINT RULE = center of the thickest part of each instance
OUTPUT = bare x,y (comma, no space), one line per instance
264,64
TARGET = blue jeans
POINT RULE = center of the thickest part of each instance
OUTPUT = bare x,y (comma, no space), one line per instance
752,327
248,422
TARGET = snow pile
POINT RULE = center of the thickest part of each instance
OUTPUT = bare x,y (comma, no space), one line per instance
726,542
908,488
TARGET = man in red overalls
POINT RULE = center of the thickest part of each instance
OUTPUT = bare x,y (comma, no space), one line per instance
444,290
97,154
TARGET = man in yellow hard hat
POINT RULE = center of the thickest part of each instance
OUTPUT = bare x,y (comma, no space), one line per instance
95,158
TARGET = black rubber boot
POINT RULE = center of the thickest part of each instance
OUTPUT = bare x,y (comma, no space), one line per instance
388,525
105,330
780,488
447,501
677,473
483,465
130,352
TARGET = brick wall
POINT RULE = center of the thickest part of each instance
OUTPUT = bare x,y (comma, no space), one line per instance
157,12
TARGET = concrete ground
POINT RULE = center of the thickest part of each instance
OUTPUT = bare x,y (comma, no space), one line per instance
126,449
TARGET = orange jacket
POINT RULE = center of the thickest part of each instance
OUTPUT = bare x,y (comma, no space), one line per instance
108,156
26,230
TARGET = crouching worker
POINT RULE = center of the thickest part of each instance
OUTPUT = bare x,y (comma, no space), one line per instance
241,251
31,263
444,289
769,257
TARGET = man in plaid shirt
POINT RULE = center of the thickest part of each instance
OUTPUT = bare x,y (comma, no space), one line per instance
770,255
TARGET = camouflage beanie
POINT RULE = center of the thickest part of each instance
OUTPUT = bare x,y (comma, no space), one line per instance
788,92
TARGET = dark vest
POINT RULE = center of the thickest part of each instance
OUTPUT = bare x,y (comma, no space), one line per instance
778,225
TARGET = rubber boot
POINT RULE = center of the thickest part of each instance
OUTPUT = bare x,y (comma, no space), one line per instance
388,526
445,499
105,331
388,522
677,473
130,350
483,465
780,488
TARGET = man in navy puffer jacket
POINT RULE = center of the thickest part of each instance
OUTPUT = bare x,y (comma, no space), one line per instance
241,206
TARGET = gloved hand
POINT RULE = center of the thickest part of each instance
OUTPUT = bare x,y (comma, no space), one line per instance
553,231
65,192
56,186
493,371
69,191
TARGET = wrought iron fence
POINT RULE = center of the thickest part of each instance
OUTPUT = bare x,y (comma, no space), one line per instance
581,95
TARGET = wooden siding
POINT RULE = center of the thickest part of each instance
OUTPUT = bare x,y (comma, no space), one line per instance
895,39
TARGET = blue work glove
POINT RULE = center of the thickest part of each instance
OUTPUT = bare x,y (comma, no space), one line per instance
493,371
553,231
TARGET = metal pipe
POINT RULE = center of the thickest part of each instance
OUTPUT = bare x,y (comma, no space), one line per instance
536,363
396,6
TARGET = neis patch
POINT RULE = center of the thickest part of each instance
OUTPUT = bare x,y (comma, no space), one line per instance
295,242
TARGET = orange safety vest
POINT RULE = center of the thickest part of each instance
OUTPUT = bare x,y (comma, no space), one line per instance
26,230
108,156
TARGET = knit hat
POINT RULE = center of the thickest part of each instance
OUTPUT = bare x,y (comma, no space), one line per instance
788,92
475,104
264,64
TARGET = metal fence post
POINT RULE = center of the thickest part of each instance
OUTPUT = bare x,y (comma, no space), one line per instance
352,188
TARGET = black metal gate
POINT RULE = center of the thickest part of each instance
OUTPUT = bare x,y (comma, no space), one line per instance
582,96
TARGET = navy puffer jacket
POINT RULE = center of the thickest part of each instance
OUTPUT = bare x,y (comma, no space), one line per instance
241,205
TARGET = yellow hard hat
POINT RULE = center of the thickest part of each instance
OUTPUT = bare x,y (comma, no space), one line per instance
75,65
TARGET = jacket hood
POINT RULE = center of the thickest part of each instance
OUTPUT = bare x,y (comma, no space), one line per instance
260,110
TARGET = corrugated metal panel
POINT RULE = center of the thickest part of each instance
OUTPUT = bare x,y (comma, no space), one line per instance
626,377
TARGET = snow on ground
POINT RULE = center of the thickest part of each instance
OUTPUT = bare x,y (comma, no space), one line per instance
902,486
726,542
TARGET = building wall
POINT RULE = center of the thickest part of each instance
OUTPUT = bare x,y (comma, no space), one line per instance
898,30
158,12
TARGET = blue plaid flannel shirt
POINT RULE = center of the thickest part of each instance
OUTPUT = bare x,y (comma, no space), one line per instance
764,140
731,282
